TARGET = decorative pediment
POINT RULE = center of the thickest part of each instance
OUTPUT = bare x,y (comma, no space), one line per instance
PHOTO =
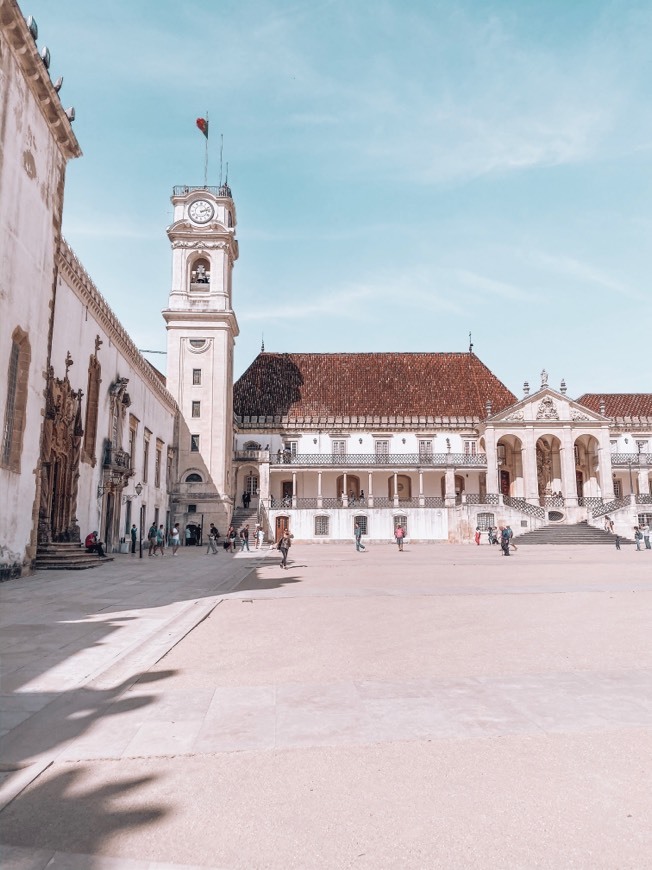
545,406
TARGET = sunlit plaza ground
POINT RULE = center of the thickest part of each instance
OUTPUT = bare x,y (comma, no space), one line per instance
441,707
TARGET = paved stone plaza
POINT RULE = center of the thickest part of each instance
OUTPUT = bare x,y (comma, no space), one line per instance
441,707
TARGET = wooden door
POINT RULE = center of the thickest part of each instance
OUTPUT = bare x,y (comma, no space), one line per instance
282,523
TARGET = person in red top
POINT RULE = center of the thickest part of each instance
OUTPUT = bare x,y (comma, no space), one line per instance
399,534
94,545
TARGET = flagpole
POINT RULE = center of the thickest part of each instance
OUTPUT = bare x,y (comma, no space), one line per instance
206,155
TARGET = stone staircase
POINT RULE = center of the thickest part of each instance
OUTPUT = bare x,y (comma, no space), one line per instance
66,557
242,516
581,533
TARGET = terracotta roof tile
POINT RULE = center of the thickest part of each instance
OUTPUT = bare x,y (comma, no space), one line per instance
368,385
619,405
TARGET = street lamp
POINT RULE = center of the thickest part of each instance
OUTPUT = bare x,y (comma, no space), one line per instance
139,489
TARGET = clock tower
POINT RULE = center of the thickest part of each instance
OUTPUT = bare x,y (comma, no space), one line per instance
201,328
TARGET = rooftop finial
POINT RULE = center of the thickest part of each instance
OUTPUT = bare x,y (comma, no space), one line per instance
562,387
470,344
262,343
526,388
544,378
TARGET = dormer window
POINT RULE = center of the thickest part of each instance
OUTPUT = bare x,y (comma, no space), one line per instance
200,274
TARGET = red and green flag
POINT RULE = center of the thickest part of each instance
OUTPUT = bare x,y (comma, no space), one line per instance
202,123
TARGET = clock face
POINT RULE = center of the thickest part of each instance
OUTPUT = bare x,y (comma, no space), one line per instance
200,211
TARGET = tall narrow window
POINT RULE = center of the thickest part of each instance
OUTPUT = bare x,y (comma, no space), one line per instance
196,377
157,463
382,448
196,409
194,443
425,448
146,454
15,409
339,448
133,432
470,448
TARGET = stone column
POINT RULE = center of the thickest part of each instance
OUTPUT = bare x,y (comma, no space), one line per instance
604,464
450,487
568,480
395,489
492,460
370,491
643,482
319,499
422,500
529,454
345,491
294,489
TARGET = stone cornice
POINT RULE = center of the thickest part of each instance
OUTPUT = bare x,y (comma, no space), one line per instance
24,49
72,270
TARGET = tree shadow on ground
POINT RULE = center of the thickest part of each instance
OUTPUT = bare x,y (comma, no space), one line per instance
62,812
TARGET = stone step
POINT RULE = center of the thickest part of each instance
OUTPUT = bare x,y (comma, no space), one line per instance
581,533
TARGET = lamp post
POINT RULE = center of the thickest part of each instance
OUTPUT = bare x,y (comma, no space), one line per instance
139,489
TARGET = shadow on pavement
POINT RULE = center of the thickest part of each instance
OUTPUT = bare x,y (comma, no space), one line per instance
59,813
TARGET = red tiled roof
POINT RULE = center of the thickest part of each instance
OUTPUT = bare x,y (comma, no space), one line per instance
619,404
368,385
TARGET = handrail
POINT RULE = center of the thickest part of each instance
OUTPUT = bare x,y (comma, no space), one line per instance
611,507
525,507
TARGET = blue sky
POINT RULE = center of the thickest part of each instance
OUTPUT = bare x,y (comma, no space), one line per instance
403,172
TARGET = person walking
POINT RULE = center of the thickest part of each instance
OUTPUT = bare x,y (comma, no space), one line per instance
244,539
175,540
504,541
134,538
511,538
617,541
646,536
638,537
231,538
151,539
477,535
399,534
357,532
257,537
284,547
213,535
160,540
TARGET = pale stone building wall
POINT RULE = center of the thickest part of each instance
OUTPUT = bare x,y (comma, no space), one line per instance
86,327
36,141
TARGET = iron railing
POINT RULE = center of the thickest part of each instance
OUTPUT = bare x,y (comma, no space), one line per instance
611,507
360,460
620,459
116,458
590,501
644,498
478,498
524,507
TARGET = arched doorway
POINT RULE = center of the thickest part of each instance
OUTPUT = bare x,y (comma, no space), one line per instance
587,475
510,466
549,476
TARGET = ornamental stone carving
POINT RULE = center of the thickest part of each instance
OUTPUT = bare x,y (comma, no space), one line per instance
515,416
578,415
547,410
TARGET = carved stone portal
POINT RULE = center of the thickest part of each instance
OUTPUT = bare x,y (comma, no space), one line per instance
60,455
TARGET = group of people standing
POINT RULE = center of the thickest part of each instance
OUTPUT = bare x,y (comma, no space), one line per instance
502,536
156,540
231,539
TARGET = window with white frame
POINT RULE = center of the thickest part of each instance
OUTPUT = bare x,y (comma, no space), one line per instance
381,446
251,484
470,448
425,448
614,445
322,526
291,447
618,489
361,521
485,521
338,447
401,520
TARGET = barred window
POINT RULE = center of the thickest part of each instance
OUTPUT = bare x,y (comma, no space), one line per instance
196,377
322,526
339,448
401,520
382,448
361,521
486,521
470,448
425,448
196,409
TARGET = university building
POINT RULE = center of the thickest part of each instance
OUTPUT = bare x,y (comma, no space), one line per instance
94,438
